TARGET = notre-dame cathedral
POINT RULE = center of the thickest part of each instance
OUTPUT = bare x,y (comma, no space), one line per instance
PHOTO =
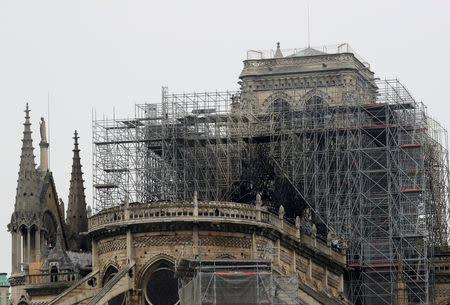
281,198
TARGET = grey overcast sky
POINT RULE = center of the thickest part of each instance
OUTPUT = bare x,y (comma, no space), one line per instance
109,54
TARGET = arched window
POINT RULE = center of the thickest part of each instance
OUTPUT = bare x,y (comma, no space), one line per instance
109,274
280,115
160,285
315,102
314,112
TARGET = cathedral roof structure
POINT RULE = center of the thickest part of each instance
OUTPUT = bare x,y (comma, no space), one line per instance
308,52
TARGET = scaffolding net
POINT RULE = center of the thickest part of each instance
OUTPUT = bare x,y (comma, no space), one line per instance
233,281
371,166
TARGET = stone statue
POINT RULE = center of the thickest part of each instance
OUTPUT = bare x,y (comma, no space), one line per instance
43,131
258,201
281,212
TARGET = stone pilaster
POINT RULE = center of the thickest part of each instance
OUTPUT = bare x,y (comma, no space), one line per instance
37,245
14,252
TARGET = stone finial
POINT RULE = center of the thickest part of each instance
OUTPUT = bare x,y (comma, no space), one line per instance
308,214
89,211
401,292
258,201
281,212
314,229
195,200
329,238
297,222
278,53
127,202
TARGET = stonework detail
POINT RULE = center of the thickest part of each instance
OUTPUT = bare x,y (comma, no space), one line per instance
112,245
162,240
286,256
301,263
333,280
225,241
318,272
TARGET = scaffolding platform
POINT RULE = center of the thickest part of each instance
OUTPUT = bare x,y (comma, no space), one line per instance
371,166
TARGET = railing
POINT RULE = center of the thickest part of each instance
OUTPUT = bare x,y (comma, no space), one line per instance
325,49
45,278
203,211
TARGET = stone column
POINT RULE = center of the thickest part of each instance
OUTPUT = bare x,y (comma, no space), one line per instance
19,251
195,240
24,248
254,248
278,252
130,247
294,262
94,254
13,252
37,244
28,246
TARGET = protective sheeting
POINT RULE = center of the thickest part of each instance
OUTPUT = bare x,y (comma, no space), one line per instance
239,288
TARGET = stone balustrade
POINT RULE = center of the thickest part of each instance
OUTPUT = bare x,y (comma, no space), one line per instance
215,212
49,278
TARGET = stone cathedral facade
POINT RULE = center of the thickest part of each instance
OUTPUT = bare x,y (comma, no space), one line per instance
135,247
149,253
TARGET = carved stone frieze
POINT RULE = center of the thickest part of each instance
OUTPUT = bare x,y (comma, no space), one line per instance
112,245
162,240
225,241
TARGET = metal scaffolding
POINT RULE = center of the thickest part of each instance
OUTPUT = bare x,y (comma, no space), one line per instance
373,172
227,281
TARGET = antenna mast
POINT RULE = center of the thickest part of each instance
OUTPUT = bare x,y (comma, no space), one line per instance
48,125
309,38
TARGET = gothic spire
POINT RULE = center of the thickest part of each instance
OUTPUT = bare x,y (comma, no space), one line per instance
27,156
76,210
26,184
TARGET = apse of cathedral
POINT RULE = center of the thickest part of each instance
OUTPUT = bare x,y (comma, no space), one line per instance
273,194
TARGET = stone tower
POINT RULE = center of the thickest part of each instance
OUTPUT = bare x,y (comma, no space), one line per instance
27,201
36,216
308,76
76,210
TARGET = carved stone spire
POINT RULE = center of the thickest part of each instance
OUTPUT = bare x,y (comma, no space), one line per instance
76,210
27,182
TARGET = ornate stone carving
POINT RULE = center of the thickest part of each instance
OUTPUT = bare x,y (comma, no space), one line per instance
112,245
162,240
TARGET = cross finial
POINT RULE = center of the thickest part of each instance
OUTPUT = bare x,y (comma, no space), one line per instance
27,112
76,137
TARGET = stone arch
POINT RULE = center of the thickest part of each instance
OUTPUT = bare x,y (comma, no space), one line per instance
108,265
158,282
148,265
315,92
109,272
278,95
